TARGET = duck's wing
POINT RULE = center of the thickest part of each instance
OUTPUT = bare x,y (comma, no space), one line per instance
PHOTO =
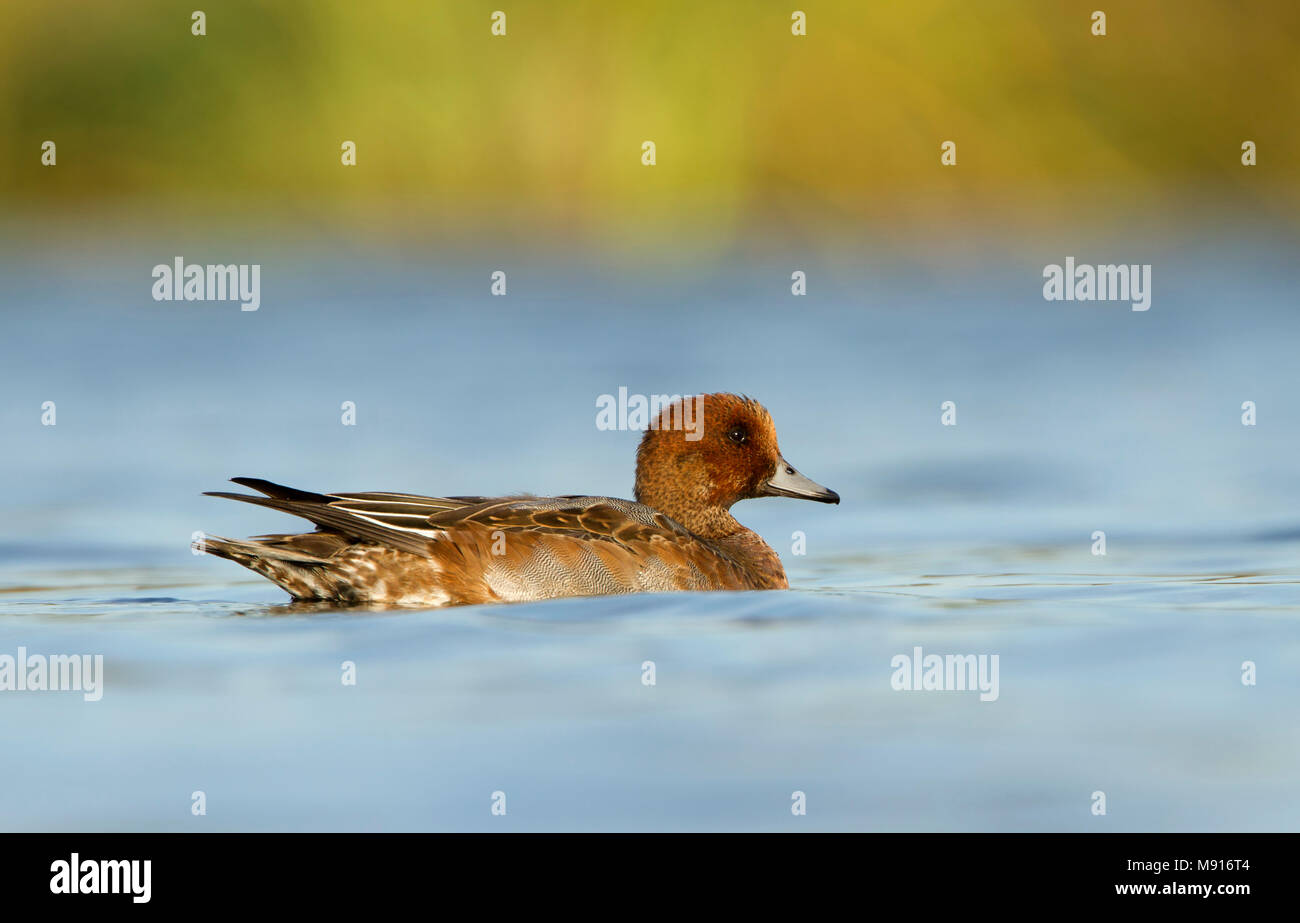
410,522
398,521
596,518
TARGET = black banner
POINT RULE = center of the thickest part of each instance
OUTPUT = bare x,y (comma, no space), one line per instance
331,871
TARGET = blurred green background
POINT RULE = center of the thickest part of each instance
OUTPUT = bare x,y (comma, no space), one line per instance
538,133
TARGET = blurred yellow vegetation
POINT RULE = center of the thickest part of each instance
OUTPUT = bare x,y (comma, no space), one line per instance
542,128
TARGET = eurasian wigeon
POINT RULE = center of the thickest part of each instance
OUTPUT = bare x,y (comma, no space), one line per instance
406,550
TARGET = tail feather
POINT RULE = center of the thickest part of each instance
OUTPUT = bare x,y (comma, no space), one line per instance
356,538
282,561
264,546
280,491
318,509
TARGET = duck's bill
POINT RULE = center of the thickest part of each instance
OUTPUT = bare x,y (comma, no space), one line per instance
787,482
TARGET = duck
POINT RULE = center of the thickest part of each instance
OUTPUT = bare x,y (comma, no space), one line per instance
381,549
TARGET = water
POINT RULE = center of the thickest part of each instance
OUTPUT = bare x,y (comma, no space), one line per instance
1119,674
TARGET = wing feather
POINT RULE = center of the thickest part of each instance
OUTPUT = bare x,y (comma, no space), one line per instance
410,522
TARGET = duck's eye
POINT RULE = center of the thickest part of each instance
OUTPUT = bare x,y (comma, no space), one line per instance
737,435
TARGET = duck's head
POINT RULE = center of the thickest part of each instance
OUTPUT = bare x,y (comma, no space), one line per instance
704,453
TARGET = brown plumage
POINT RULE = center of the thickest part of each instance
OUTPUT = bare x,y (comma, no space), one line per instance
408,550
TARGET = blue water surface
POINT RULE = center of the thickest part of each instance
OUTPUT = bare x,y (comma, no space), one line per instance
1119,674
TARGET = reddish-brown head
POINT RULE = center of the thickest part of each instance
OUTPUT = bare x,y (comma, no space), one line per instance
704,453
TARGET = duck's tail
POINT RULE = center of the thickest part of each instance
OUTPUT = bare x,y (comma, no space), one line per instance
298,564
